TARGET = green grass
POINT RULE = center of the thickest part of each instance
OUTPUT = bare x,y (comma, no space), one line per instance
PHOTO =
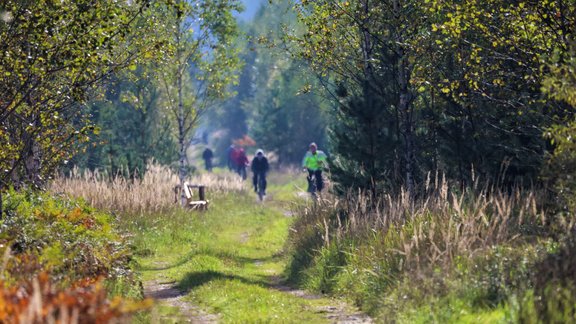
454,311
227,260
463,260
287,186
408,271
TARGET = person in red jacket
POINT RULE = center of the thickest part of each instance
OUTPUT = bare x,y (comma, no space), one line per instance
231,154
241,161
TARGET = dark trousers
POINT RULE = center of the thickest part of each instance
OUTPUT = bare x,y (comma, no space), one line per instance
318,174
208,164
255,179
241,170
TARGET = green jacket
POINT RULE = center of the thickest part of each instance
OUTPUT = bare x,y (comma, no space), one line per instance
314,161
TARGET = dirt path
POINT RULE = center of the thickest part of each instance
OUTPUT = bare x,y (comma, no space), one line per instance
339,312
167,294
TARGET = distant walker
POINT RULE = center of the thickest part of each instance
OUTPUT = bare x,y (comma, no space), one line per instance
208,155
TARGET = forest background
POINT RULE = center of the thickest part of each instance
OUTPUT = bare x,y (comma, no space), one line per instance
466,102
478,96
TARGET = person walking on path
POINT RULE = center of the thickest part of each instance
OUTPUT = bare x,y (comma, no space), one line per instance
259,168
314,161
208,155
241,163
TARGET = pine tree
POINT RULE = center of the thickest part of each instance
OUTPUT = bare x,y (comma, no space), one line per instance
366,141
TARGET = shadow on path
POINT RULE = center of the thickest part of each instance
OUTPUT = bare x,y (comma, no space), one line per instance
197,279
234,258
336,312
170,295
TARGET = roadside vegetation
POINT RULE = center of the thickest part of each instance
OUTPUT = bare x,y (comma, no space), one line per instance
228,260
63,260
479,255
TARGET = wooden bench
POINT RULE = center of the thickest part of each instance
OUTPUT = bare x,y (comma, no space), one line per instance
201,203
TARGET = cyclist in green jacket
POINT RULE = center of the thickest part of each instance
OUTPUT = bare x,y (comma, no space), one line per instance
313,162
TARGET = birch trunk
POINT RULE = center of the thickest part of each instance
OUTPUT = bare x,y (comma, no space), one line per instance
181,66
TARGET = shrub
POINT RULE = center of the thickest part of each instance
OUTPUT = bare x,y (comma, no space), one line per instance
65,237
56,252
85,301
553,297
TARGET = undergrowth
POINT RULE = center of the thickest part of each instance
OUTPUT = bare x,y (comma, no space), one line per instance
63,260
481,255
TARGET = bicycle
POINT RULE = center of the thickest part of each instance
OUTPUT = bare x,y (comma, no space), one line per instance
261,186
312,184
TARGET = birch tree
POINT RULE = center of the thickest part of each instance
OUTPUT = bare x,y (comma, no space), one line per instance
53,56
202,64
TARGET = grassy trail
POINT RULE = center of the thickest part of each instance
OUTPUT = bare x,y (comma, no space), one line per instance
225,265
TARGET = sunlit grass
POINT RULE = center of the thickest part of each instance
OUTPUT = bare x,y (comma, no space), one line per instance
289,186
226,259
448,256
239,301
453,310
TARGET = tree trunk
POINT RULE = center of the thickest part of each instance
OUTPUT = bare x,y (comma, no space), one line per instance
181,127
408,144
32,163
368,93
181,141
404,106
404,102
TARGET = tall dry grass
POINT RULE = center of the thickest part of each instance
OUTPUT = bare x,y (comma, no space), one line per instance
154,192
434,229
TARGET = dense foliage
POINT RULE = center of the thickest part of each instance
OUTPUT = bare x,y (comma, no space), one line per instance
479,91
134,129
59,256
459,84
53,54
152,112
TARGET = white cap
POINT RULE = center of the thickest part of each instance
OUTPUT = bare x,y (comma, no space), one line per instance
259,151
